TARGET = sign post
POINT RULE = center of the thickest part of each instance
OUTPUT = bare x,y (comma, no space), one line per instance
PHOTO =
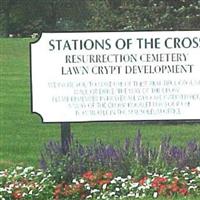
65,136
115,76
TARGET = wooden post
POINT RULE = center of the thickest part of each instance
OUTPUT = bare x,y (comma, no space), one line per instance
65,136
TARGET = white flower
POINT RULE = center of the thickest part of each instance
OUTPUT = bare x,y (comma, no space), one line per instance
75,181
89,197
155,174
43,180
155,195
3,173
129,177
104,186
2,190
131,194
118,178
192,187
49,175
112,194
30,192
27,169
117,189
123,180
113,181
1,197
19,168
10,192
134,185
88,187
137,195
94,191
123,185
82,181
39,173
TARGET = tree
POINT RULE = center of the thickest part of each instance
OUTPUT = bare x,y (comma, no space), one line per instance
144,15
27,16
64,11
5,11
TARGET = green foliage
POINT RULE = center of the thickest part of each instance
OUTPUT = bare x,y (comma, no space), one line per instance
145,15
25,17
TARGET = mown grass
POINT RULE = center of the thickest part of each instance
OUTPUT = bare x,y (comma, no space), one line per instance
22,133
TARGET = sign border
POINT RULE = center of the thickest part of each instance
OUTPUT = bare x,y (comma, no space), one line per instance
171,121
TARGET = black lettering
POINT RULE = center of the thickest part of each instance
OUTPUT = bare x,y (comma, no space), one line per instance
108,45
58,41
67,45
120,44
52,45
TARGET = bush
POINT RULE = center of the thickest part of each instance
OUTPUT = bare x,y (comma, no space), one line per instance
131,157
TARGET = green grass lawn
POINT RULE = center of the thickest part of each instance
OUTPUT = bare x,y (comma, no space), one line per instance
22,134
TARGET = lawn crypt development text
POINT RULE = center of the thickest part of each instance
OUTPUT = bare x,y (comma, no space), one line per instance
120,63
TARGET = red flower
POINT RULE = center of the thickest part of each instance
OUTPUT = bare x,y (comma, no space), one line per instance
158,181
174,188
183,191
162,189
143,180
57,191
102,182
17,194
89,175
108,175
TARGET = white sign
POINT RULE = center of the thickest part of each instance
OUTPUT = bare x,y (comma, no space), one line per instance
116,76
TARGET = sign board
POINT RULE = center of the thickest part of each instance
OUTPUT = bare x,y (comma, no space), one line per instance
116,76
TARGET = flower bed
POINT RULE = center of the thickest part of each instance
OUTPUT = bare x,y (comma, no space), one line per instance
30,183
130,170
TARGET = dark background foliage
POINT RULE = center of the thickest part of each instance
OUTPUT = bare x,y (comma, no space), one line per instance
24,17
